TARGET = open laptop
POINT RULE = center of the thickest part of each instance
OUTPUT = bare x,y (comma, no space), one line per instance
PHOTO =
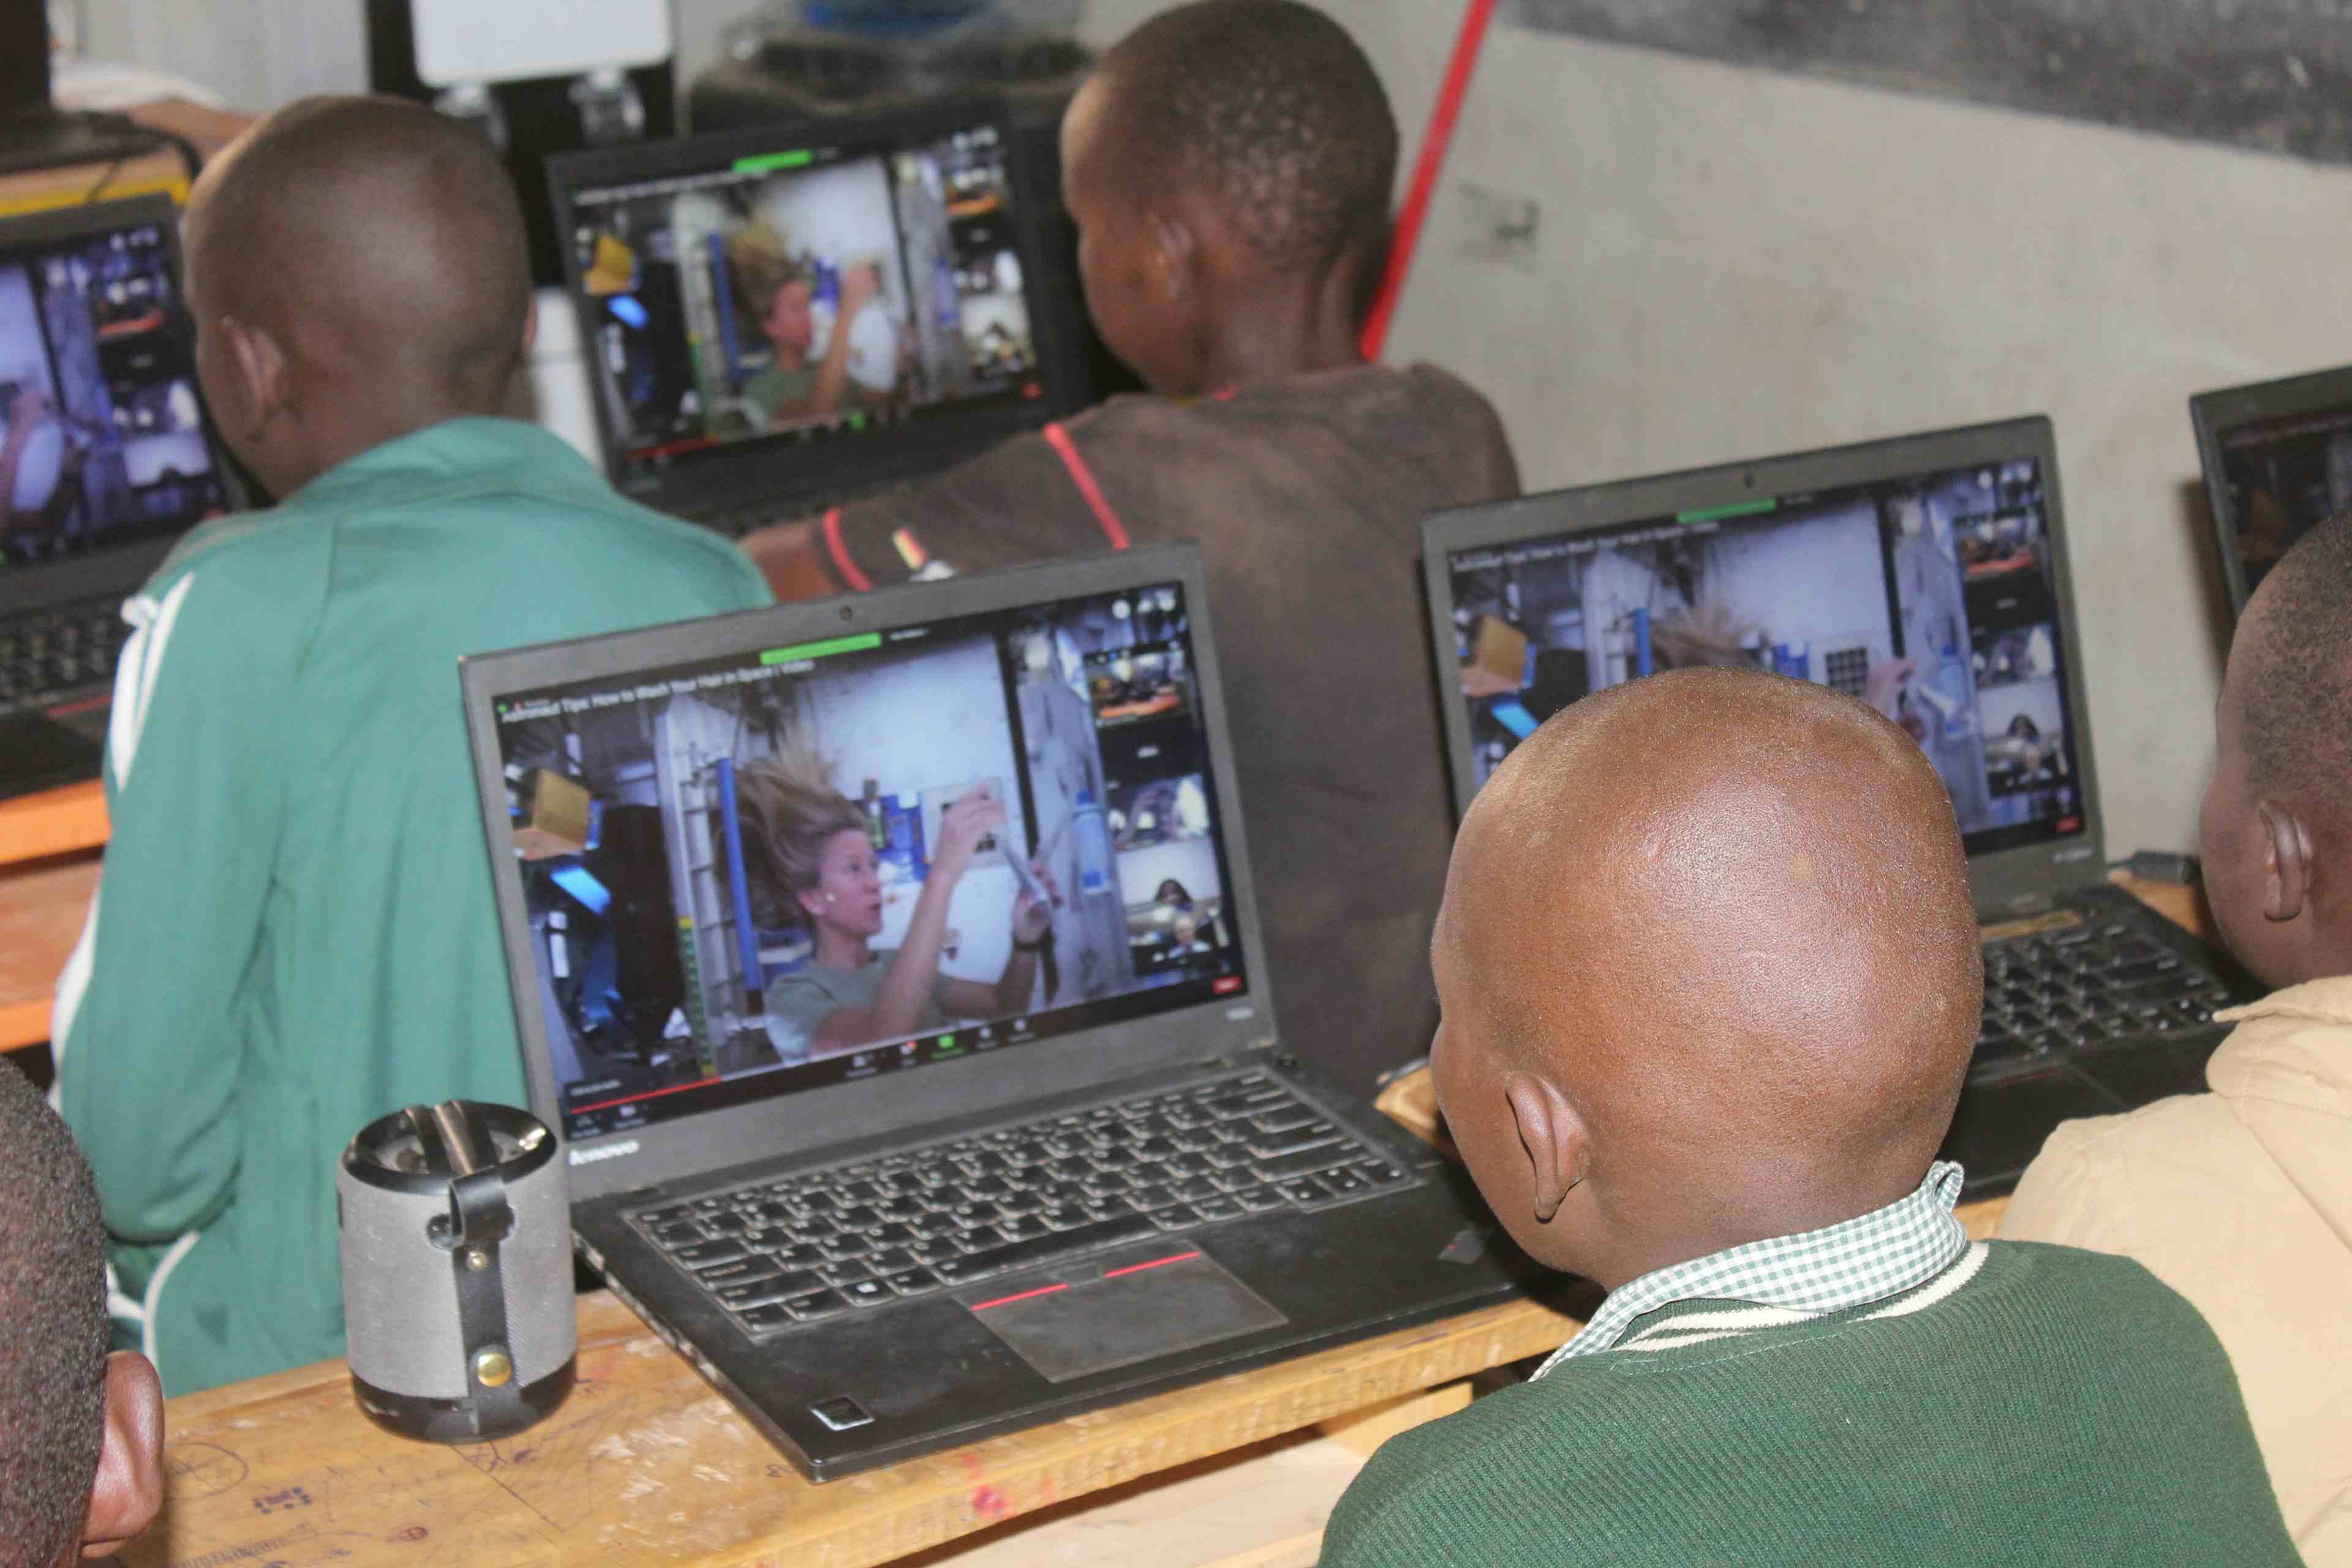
106,458
715,401
2278,459
882,1247
1926,575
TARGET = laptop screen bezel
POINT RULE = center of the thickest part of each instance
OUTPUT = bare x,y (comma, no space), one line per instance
36,586
2214,415
763,469
805,1122
2007,880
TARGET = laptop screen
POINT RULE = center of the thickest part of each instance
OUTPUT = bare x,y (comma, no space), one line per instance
103,436
805,293
742,875
1931,597
2283,475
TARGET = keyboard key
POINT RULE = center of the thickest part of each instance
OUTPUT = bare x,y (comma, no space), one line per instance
816,1305
858,1218
1305,1189
1181,1217
682,1233
766,1240
869,1293
743,1271
760,1292
842,1272
703,1254
1304,1161
1381,1173
895,1260
759,1320
915,1282
726,1224
1315,1135
1257,1200
667,1215
1344,1182
1217,1208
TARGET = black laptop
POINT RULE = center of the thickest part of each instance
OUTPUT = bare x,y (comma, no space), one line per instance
1926,575
2278,459
880,1247
105,460
715,399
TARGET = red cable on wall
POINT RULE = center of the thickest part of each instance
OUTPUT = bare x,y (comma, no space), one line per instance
1434,146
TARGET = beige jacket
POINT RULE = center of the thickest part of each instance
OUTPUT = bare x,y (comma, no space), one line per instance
2241,1201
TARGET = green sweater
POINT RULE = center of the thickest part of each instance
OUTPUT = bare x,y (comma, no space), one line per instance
295,932
2060,1407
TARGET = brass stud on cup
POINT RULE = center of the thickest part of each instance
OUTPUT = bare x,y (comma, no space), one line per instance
492,1368
477,1259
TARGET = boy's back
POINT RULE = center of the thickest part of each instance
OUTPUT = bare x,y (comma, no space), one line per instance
2058,1406
298,855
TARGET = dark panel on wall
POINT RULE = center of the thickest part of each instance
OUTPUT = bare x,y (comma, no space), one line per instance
2273,75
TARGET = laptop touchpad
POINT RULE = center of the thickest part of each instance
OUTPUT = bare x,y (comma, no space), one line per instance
1135,1304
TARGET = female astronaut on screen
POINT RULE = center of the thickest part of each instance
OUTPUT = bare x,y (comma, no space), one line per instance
809,843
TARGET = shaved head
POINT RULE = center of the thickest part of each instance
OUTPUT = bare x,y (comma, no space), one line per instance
1724,918
379,246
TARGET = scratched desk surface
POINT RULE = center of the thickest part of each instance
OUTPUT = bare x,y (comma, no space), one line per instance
645,1463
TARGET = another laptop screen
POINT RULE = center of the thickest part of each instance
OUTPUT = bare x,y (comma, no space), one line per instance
803,293
1932,597
102,437
2283,475
744,879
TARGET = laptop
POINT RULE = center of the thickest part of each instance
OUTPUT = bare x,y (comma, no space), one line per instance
106,458
1927,577
719,395
1108,1181
2278,459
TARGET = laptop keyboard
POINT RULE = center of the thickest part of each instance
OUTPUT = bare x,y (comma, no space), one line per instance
47,657
814,1245
2084,985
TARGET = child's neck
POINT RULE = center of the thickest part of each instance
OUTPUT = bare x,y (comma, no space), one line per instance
1273,332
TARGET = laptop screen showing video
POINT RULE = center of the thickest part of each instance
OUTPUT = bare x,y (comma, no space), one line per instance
2284,475
757,876
1933,598
102,440
805,294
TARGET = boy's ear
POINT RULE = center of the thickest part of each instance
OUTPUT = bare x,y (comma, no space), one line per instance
2287,861
1558,1148
1174,255
264,370
128,1492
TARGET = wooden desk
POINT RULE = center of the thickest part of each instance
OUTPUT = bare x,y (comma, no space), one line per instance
49,868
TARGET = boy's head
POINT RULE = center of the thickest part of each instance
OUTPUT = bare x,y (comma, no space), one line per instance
357,269
2278,825
81,1433
1709,972
1224,151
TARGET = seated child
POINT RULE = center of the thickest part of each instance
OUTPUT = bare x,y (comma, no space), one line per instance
1709,976
1230,167
295,932
2241,1199
81,1432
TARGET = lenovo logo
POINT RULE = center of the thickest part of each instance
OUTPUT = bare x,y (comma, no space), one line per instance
609,1151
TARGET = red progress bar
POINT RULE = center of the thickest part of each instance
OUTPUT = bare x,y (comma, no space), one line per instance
1023,1296
649,1094
1155,1263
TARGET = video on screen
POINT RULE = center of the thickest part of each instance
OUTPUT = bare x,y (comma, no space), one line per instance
101,430
824,862
2285,475
1933,600
809,293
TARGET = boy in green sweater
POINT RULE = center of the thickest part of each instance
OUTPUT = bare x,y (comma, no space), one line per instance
1709,976
295,932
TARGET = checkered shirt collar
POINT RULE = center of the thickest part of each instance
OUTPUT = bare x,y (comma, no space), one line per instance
1851,1264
